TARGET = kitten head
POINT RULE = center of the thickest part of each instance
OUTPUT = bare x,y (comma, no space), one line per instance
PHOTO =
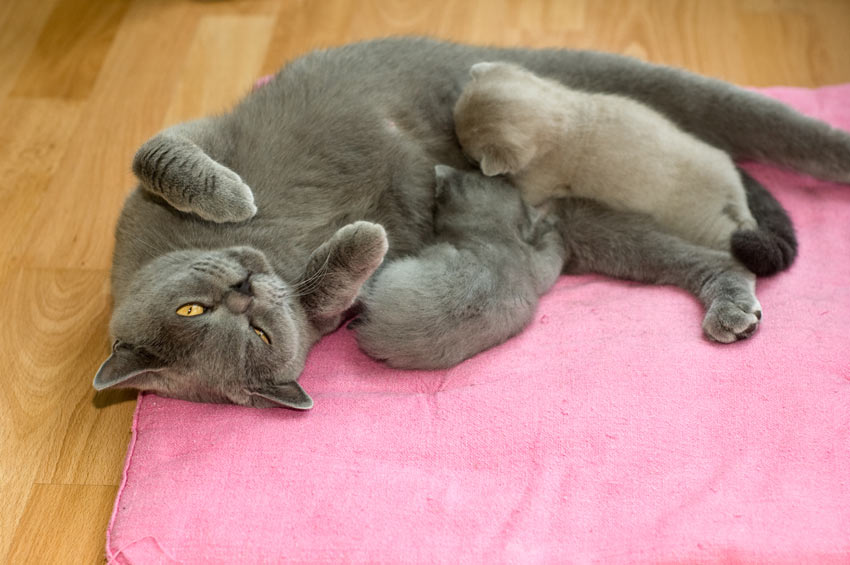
210,326
497,117
468,203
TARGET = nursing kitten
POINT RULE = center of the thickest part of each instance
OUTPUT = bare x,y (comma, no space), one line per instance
472,289
336,154
555,141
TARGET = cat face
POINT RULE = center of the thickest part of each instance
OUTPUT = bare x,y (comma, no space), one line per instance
211,326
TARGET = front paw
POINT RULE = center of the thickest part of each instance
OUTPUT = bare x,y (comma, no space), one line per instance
226,199
729,320
360,246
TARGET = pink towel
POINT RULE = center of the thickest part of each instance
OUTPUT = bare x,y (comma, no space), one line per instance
610,430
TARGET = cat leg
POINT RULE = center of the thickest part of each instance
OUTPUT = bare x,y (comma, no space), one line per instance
772,245
173,166
743,123
337,270
631,246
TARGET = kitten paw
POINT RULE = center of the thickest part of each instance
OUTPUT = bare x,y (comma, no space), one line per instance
729,320
229,200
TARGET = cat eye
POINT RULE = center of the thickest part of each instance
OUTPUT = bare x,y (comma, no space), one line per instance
262,335
190,310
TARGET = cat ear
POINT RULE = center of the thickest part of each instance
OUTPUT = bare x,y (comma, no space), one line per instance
288,394
126,367
442,173
498,161
479,69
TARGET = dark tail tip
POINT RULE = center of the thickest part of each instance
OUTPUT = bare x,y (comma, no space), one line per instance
772,247
763,252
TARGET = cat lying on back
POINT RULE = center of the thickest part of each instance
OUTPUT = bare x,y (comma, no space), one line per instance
554,141
474,288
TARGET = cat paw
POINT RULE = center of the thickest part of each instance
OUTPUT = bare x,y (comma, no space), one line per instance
729,320
229,200
361,246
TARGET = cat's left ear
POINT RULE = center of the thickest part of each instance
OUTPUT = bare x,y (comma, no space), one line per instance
498,161
288,394
126,367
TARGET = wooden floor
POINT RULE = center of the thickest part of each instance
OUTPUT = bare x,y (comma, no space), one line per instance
83,83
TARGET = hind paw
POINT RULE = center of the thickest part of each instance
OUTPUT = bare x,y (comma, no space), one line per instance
730,320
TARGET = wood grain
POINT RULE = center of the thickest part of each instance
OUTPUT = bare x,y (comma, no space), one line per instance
56,527
83,83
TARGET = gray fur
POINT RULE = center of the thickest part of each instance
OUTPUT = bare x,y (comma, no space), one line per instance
352,134
472,289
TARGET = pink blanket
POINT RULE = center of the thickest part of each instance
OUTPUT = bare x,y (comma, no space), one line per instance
609,431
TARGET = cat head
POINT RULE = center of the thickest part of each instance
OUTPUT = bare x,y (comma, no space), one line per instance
497,116
221,326
469,203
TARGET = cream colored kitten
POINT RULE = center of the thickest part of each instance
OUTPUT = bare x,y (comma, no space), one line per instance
554,141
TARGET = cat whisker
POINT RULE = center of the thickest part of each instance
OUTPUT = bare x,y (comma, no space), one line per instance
311,283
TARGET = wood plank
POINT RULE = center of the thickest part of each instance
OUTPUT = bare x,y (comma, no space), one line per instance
21,24
34,137
63,524
221,66
51,342
70,50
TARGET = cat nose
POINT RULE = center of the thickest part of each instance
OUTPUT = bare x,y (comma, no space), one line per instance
244,287
238,302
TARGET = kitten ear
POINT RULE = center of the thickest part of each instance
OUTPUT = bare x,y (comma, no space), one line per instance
288,394
498,161
126,367
442,173
479,69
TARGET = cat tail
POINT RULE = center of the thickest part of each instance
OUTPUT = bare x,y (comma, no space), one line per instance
771,247
745,124
173,166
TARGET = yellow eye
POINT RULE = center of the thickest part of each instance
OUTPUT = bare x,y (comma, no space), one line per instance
262,335
191,310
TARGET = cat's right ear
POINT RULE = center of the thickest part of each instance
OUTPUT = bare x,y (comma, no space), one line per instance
126,367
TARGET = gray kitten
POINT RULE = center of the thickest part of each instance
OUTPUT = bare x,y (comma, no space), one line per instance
337,154
477,285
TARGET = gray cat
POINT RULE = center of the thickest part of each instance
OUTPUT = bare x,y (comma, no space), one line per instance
337,155
477,285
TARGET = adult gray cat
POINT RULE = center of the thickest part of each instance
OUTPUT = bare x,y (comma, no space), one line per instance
477,285
350,135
